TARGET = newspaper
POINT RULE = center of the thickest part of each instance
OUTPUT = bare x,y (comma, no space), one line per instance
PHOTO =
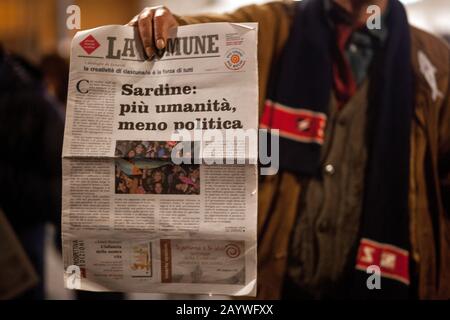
134,217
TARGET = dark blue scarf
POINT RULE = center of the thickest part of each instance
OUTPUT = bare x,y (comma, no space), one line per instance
299,92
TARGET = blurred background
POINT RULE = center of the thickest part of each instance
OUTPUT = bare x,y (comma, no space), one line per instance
36,30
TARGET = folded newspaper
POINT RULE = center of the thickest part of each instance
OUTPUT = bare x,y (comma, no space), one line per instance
151,200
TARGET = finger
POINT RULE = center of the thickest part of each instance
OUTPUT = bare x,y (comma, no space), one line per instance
145,26
161,23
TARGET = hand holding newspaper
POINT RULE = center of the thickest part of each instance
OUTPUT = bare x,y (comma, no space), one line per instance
149,203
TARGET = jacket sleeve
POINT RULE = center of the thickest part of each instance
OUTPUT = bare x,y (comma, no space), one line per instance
274,21
444,144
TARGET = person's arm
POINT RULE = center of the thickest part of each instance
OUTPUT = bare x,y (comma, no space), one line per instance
154,22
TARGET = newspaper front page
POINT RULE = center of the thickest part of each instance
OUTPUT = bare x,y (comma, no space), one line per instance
134,219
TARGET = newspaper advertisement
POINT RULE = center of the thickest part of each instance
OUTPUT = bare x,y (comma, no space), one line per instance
151,202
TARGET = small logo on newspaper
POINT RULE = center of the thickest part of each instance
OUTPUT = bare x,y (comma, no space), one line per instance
235,59
232,250
89,44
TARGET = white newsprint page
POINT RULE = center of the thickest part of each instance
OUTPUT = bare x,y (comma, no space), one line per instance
144,210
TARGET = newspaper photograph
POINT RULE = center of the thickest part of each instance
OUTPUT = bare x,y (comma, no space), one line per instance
155,197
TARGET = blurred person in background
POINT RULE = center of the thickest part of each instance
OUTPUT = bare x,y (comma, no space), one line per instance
31,132
364,120
55,70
